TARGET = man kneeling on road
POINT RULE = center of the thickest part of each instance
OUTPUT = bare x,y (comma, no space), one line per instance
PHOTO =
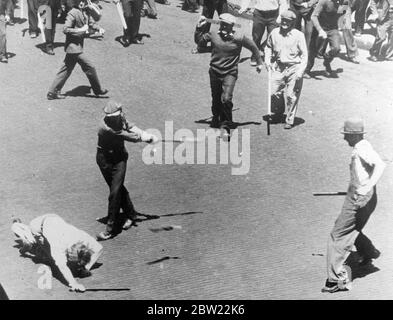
49,237
286,55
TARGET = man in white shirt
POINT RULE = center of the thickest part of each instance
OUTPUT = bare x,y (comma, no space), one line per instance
286,55
366,168
63,244
266,16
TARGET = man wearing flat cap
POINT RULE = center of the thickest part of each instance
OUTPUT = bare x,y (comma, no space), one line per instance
366,168
223,72
286,55
112,159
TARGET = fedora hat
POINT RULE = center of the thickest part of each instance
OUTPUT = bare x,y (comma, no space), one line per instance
353,125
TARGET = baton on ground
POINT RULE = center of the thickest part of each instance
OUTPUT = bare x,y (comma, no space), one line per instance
121,14
108,289
213,21
339,193
269,100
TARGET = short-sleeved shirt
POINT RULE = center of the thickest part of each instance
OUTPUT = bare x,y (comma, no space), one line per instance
61,236
363,159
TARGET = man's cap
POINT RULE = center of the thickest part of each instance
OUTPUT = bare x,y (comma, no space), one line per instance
288,15
354,125
112,108
227,18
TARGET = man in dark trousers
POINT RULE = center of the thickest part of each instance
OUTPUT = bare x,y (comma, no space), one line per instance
48,10
132,14
76,29
384,17
366,168
32,9
225,56
209,7
112,159
325,19
5,11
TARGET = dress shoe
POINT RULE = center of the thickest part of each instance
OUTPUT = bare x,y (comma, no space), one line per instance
102,236
101,93
49,51
354,60
327,66
373,58
3,60
288,126
55,95
33,35
129,223
253,62
137,41
307,75
126,43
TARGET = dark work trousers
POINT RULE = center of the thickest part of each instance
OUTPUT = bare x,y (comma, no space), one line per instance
345,24
113,167
347,231
132,14
3,37
70,60
210,6
318,47
359,7
222,91
304,14
263,20
384,30
32,8
49,14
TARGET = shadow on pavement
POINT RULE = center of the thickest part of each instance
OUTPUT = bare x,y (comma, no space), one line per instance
161,259
359,271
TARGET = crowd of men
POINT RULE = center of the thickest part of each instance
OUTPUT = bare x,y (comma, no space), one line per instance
288,54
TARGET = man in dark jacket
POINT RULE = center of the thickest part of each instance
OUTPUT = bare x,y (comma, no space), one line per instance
5,11
112,159
226,49
76,29
132,15
384,18
48,10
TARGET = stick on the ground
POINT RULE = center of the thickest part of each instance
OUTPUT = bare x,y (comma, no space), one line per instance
339,193
109,289
269,100
213,21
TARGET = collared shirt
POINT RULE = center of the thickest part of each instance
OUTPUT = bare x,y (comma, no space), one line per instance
61,236
363,159
226,52
287,49
267,5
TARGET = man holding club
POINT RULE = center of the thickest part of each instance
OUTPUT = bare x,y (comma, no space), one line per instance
223,72
112,159
366,168
286,58
131,10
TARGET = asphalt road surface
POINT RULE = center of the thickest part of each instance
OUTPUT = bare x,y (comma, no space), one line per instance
261,235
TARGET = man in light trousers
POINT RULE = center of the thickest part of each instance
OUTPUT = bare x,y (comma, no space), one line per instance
366,168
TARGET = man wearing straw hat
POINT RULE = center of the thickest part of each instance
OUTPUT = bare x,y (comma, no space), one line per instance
366,168
112,159
286,55
225,56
